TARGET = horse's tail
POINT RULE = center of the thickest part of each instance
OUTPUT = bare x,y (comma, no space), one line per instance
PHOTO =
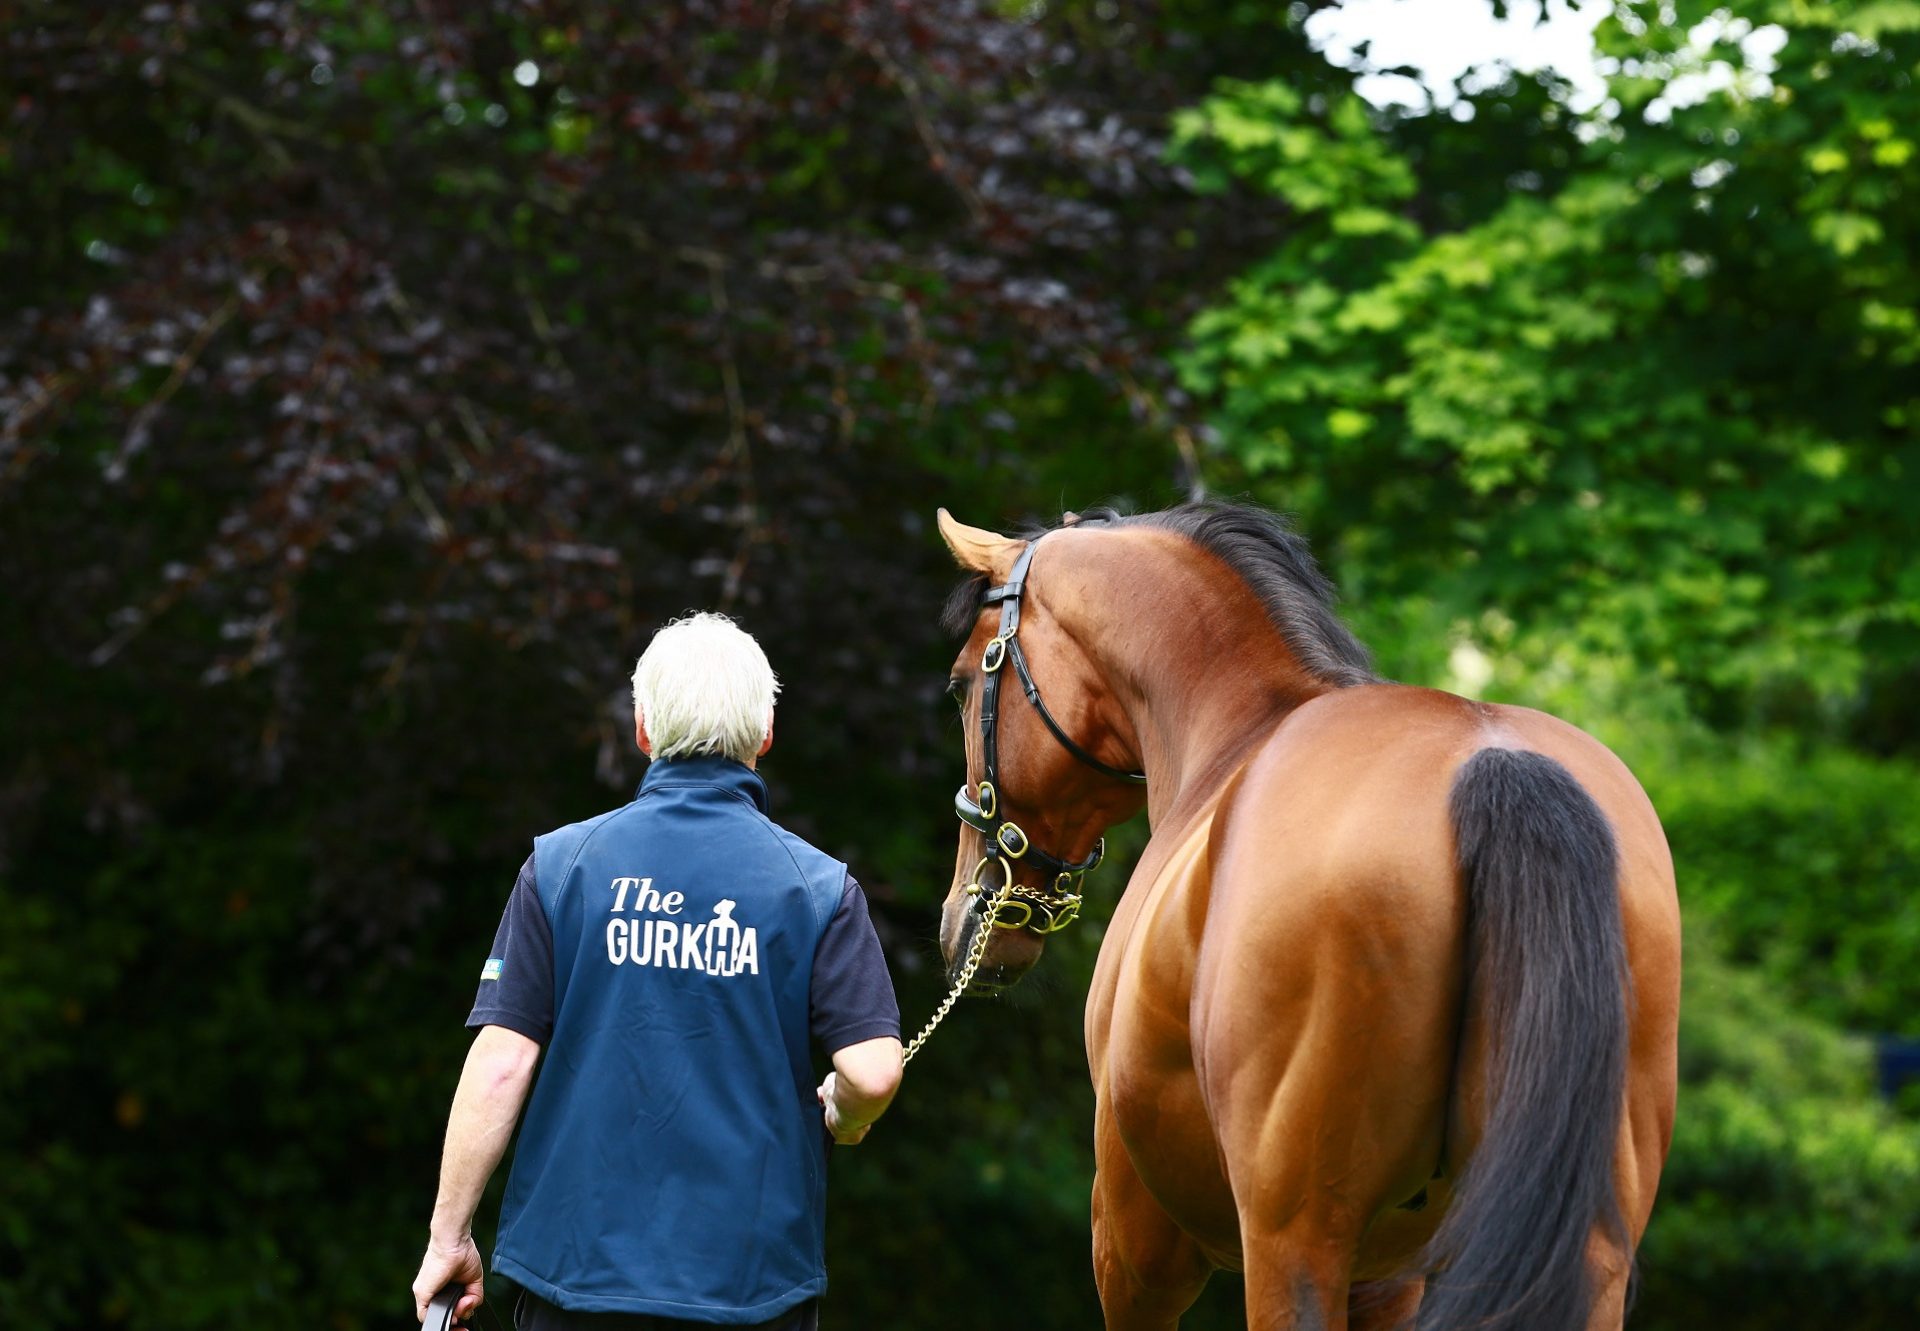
1547,980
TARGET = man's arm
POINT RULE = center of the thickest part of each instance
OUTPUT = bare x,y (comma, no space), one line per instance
487,1104
856,1019
860,1087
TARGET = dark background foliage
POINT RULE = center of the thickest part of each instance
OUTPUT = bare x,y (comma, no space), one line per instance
375,377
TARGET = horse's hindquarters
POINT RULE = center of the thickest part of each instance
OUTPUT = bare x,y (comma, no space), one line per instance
1291,1063
1328,996
1340,1054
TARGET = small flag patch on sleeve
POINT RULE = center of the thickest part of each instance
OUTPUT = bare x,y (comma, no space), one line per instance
491,971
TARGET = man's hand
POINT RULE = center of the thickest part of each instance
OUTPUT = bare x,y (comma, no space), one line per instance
843,1132
440,1268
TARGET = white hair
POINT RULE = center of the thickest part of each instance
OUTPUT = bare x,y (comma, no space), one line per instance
704,687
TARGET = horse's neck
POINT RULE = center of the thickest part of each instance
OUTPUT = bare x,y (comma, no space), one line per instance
1200,672
1203,738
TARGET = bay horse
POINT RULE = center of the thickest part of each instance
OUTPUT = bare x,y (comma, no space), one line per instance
1386,1017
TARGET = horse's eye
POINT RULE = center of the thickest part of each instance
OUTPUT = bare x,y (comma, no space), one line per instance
957,690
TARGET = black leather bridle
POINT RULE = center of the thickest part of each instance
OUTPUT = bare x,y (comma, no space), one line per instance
1044,911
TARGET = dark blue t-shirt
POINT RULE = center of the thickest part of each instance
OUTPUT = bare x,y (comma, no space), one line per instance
852,998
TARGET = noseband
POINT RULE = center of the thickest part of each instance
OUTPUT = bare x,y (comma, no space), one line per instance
1044,911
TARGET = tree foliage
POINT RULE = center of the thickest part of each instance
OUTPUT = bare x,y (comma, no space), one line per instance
366,364
1657,393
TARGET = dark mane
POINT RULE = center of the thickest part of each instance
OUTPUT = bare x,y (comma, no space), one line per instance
1270,557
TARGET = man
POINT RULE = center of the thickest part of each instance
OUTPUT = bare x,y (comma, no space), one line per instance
672,957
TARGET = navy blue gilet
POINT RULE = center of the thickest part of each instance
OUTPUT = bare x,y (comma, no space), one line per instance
673,1157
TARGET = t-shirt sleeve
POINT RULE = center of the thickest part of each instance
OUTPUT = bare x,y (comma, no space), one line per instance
516,984
852,993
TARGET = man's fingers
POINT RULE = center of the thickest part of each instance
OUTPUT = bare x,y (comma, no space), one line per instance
438,1269
476,1294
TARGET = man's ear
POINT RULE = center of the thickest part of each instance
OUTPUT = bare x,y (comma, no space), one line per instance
640,733
978,550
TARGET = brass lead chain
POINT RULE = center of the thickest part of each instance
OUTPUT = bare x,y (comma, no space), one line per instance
982,933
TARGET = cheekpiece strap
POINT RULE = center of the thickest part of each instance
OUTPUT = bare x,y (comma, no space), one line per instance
1006,841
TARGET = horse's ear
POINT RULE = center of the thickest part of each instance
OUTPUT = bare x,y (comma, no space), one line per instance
978,550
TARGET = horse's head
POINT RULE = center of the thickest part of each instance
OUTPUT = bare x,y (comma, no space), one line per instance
1051,759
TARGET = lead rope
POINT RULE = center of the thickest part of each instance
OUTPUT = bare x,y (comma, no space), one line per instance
981,936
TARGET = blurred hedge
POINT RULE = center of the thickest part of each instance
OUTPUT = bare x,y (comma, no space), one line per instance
1792,1198
1806,859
